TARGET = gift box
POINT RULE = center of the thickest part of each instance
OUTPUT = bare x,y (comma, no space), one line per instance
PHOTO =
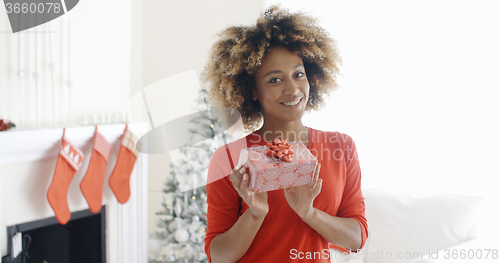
278,165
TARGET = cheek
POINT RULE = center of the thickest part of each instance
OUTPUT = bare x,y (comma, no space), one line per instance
270,95
306,89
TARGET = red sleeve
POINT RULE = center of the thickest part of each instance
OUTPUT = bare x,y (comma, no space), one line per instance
222,199
353,202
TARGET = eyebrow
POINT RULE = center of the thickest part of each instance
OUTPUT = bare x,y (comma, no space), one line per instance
279,71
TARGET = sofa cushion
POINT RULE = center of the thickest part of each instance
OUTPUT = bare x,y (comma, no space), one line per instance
402,227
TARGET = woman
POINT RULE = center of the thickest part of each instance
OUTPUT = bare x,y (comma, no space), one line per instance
272,73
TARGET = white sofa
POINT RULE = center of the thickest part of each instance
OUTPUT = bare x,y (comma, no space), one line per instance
422,229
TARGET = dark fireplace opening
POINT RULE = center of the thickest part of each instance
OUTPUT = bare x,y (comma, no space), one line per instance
82,239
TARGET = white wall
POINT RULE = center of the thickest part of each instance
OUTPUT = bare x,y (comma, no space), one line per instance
102,64
177,35
419,90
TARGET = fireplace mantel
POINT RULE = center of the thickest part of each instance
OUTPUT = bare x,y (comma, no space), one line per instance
126,224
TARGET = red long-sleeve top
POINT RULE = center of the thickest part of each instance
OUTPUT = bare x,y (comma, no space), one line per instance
283,235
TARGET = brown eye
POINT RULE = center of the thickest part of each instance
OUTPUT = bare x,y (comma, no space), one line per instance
299,74
274,80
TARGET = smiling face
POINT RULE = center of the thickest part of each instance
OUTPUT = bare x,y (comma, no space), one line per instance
282,88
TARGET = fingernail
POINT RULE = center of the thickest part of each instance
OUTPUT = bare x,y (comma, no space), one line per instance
245,177
249,193
242,170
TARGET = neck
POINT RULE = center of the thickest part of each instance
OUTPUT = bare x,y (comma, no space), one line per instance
291,131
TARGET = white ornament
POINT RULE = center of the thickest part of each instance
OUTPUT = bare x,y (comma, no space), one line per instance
194,209
188,251
169,258
154,247
197,237
181,235
178,207
173,226
201,256
195,226
159,222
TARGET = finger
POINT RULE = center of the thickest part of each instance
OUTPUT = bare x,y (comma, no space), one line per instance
293,189
245,189
317,189
238,169
248,197
244,181
236,178
233,173
318,184
242,172
251,197
316,176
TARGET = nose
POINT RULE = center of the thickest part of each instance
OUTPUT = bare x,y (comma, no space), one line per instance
292,88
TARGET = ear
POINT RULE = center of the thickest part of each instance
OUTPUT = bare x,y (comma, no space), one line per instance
254,95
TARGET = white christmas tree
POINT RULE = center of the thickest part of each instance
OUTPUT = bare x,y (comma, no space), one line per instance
182,221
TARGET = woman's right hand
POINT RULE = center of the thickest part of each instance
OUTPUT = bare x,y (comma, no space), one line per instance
257,202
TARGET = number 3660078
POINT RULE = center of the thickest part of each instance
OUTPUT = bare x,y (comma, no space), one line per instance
33,8
471,253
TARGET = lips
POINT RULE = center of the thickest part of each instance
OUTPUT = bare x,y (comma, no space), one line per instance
291,103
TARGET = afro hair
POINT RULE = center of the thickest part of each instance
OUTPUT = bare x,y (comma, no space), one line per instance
240,50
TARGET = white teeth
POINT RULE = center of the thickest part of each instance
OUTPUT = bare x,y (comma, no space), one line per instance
292,103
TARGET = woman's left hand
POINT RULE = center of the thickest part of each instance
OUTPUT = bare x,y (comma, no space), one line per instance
300,198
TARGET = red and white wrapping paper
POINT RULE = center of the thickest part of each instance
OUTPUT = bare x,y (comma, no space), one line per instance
270,173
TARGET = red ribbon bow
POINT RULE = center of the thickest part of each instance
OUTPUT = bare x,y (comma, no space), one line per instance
280,149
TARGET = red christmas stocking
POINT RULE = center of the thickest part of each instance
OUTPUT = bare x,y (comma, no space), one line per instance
119,181
68,162
91,185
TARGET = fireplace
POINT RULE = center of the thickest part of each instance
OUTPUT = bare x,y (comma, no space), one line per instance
82,239
27,161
